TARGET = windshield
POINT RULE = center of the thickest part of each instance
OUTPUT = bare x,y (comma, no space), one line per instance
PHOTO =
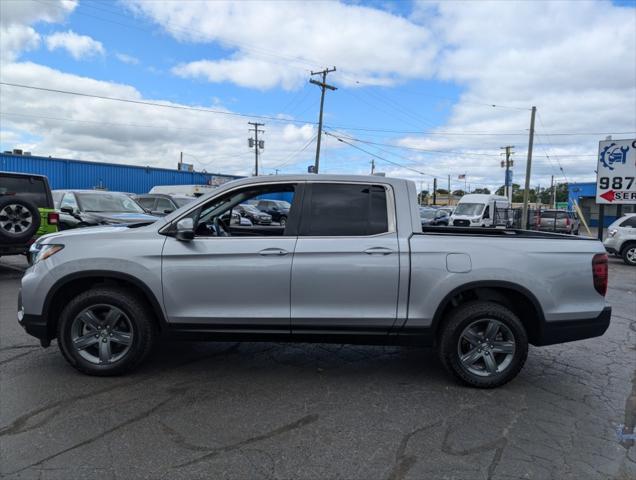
108,202
181,201
426,213
469,209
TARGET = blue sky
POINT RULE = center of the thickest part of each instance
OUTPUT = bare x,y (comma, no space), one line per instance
427,67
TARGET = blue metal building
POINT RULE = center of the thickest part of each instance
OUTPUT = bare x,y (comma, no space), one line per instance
80,174
585,195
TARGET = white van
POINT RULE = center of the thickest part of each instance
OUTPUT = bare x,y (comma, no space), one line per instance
478,210
192,190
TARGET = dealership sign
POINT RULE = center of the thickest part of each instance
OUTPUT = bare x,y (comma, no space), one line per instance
616,172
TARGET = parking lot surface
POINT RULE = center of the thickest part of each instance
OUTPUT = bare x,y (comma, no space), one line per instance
273,410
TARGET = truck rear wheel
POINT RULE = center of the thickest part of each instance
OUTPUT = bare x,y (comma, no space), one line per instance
483,344
106,331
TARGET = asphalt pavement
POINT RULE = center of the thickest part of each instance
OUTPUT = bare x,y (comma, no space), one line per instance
274,410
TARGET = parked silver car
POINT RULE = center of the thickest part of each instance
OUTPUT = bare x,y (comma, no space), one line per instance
621,238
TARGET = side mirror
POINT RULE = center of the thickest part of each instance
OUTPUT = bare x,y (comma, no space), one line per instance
68,210
185,229
168,210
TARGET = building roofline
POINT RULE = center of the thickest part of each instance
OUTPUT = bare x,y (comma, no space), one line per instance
110,164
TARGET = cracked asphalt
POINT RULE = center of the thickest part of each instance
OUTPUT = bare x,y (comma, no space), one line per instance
272,410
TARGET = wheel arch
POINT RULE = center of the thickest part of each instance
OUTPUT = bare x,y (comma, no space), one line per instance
75,283
626,244
511,295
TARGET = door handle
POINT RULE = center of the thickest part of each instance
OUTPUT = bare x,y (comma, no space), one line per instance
279,252
378,251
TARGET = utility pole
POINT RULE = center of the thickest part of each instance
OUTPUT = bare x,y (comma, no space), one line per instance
553,192
435,191
255,143
507,164
372,166
323,86
528,170
448,196
421,192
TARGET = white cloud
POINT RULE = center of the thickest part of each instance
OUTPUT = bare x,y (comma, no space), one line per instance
117,132
276,44
16,36
576,61
129,59
79,46
31,11
15,39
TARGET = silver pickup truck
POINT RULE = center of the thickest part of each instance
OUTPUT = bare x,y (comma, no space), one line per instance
352,264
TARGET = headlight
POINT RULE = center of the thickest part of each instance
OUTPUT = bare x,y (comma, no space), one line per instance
475,220
41,252
612,232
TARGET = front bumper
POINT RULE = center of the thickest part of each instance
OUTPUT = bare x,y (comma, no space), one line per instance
34,325
572,330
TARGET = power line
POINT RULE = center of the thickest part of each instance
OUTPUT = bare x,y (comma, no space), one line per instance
153,104
368,142
556,156
378,156
294,155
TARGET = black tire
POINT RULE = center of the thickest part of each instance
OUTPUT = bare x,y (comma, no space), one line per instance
283,221
142,326
628,253
19,220
465,315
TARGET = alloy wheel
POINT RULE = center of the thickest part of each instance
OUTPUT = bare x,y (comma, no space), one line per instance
486,347
15,219
630,255
102,334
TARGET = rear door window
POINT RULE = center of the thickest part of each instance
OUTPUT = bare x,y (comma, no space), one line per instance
345,210
32,189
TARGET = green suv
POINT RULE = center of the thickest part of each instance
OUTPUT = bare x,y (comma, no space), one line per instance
26,211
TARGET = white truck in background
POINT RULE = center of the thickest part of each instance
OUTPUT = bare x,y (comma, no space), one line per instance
479,210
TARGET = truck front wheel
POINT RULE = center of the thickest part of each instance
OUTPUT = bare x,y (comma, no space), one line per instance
106,331
483,344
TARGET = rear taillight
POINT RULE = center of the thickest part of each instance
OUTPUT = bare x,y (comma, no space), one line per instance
53,218
599,272
567,221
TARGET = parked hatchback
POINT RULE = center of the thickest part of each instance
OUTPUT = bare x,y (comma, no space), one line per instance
621,238
26,211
